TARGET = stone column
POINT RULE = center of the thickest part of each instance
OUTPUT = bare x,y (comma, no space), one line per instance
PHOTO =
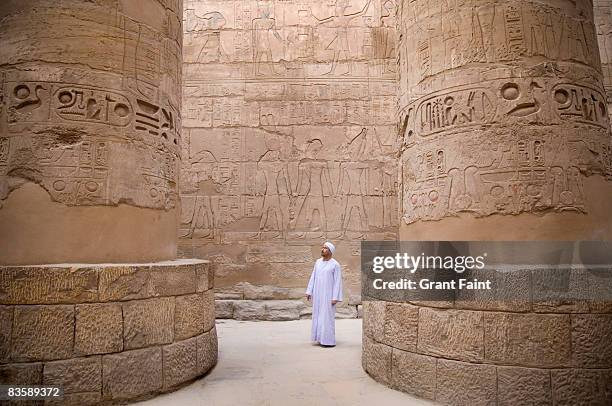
90,97
89,130
603,22
506,137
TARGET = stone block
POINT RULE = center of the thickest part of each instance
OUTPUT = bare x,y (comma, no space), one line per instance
400,327
209,309
591,340
572,387
267,292
249,310
374,319
537,340
510,291
278,310
173,280
42,332
21,374
148,322
124,283
75,375
189,316
205,276
207,351
224,309
179,362
376,360
48,285
465,384
456,334
6,328
77,399
99,329
131,373
523,386
414,373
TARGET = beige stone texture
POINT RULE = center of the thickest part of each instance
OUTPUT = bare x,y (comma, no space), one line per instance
465,384
148,322
179,362
288,135
90,132
523,386
132,373
591,343
21,374
376,360
537,340
192,315
207,350
580,387
42,333
224,309
456,334
374,319
48,285
76,375
77,399
6,329
414,373
99,329
401,324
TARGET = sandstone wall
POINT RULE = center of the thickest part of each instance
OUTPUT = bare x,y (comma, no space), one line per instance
90,133
107,334
289,124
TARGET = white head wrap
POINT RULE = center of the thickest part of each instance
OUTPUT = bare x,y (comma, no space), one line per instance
330,246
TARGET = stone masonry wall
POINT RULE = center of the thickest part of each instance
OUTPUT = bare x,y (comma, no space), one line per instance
107,333
603,23
289,130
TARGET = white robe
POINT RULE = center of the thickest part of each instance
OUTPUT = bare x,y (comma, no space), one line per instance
324,286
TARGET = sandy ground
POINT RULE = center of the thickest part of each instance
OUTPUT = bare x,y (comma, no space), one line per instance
271,363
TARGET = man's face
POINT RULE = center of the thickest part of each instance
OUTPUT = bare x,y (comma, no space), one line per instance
325,251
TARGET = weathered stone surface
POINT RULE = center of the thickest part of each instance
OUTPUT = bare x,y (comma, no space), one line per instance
414,373
21,374
376,360
579,387
48,285
266,292
179,362
207,351
42,332
451,334
6,328
465,384
374,319
132,373
173,281
194,314
274,253
591,343
249,310
345,311
124,283
148,322
99,329
538,340
117,112
278,310
401,326
523,386
77,399
75,375
205,276
224,309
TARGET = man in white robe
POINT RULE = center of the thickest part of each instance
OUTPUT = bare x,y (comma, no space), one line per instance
325,290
